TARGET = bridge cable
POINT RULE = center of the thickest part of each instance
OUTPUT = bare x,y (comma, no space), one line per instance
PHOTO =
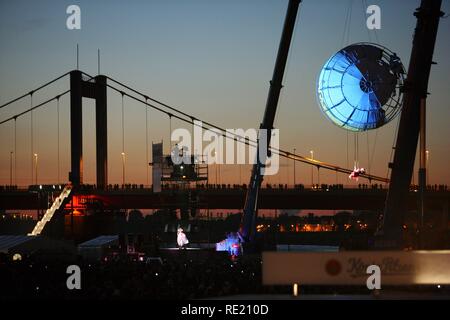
146,143
33,108
192,118
280,152
275,150
57,114
31,135
35,90
123,126
170,132
15,151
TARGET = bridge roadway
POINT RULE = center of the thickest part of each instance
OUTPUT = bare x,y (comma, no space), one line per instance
362,199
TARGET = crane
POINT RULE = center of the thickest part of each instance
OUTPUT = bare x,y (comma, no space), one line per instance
248,224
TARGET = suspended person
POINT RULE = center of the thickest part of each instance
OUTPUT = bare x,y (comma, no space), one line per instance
354,175
182,240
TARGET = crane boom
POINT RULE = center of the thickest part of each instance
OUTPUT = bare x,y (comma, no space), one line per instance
425,33
247,229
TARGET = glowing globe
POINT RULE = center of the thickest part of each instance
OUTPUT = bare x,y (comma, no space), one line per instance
360,87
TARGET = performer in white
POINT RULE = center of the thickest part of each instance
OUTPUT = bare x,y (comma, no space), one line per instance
181,239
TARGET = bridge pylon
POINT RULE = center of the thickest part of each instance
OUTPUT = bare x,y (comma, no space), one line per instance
93,88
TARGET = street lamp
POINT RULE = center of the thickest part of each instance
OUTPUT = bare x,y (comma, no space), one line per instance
10,168
220,174
123,169
287,171
36,168
312,169
215,163
294,168
240,174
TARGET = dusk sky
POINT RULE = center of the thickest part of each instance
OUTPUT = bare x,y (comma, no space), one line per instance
209,58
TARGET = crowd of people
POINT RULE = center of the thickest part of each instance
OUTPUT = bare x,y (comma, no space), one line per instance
178,277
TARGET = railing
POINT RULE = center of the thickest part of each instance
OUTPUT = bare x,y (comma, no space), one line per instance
204,186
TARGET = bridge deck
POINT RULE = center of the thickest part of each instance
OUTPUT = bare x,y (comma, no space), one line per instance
369,199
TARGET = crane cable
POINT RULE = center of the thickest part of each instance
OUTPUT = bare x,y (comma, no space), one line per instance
347,24
368,152
356,155
344,42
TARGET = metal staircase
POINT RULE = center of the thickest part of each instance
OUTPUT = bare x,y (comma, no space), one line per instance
59,201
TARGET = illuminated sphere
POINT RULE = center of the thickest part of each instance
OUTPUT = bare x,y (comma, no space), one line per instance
359,87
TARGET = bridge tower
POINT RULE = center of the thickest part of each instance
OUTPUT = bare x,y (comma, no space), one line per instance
94,88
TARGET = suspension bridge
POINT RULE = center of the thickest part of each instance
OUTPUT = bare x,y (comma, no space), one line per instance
85,85
209,196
